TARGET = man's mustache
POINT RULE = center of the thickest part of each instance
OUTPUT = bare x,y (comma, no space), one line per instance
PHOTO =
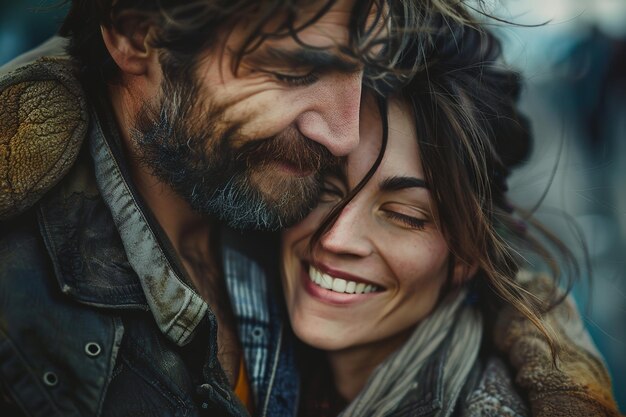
291,147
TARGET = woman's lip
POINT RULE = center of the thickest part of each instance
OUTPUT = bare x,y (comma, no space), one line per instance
340,274
328,296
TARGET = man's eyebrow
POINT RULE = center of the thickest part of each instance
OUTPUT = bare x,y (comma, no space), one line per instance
320,59
401,183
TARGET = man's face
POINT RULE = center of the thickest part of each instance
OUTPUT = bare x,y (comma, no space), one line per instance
250,148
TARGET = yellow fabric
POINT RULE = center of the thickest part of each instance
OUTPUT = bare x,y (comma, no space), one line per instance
43,121
242,387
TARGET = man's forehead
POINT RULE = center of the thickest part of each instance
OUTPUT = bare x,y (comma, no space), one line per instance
323,26
315,14
313,25
320,38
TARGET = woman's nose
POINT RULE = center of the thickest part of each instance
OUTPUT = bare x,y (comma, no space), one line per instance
349,235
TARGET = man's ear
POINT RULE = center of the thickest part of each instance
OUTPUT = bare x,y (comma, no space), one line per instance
127,43
463,272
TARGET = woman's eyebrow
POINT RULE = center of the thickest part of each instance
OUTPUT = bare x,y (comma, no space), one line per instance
400,183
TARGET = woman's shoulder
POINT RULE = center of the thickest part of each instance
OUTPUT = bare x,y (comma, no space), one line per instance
577,383
563,319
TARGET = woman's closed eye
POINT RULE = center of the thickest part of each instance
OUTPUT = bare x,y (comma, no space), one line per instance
405,217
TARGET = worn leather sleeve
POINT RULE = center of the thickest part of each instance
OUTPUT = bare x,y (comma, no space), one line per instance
579,385
43,121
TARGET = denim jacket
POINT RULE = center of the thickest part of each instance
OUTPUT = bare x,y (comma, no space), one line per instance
96,315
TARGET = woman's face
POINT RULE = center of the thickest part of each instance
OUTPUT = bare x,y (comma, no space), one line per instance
379,270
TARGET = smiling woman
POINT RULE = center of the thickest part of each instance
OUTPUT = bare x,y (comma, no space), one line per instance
406,278
384,261
379,271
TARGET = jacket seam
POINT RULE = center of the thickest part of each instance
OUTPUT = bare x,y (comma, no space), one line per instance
118,327
273,374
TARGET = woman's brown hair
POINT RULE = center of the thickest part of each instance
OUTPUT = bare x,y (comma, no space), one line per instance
471,135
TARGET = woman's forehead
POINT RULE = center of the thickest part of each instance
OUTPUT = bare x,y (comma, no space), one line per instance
402,152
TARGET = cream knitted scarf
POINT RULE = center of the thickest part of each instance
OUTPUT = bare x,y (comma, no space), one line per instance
453,319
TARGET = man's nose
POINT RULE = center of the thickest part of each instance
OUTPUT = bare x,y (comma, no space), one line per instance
349,234
332,118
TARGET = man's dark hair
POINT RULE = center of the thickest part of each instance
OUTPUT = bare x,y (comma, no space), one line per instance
185,28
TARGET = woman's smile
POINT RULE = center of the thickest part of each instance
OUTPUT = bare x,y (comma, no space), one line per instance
336,287
341,282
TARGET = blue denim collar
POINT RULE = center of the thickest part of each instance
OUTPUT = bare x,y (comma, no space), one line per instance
122,266
176,307
87,254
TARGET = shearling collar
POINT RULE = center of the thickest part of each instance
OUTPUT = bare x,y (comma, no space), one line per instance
43,122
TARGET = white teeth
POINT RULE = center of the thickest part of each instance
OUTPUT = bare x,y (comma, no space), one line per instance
327,282
315,275
338,284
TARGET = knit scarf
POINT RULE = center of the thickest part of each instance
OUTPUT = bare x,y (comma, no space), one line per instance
454,321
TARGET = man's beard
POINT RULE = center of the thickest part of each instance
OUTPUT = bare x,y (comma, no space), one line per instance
185,143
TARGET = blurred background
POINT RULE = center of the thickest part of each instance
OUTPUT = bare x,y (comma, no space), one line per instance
575,95
574,66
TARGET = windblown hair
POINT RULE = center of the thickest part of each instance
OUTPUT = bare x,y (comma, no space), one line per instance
471,134
185,28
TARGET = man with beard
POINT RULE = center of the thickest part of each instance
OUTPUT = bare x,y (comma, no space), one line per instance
119,294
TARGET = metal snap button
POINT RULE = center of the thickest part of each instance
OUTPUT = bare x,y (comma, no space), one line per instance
92,349
50,379
223,392
257,333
